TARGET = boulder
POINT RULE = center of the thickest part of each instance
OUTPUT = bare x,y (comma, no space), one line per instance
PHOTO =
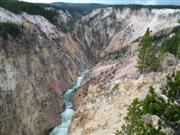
168,61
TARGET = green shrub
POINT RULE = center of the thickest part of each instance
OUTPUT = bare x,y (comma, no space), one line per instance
160,37
167,111
172,44
134,123
117,53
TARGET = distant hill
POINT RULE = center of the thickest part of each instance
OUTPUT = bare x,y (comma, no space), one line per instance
85,8
76,9
82,9
138,6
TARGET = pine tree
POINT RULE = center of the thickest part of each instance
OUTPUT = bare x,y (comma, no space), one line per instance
167,111
134,122
145,52
148,59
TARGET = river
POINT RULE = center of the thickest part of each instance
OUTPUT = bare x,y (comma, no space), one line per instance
62,129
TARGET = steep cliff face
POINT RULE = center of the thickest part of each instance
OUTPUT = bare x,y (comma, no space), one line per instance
35,69
101,103
111,86
108,29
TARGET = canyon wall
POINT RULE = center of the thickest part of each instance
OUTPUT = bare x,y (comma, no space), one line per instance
108,29
112,84
36,68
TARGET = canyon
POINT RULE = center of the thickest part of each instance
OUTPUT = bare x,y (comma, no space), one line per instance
37,68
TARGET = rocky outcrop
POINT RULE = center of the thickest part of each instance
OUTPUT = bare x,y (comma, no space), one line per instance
102,102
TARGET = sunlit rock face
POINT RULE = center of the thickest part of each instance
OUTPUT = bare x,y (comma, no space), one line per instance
36,69
108,29
102,102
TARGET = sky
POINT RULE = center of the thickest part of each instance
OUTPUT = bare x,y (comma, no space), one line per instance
147,2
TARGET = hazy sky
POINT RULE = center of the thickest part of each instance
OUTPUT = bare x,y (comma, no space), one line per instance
174,2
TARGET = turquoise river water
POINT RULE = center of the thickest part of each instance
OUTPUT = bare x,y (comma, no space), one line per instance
62,129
